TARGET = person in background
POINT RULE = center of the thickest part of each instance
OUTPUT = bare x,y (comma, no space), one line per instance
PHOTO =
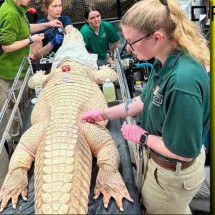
174,106
53,36
99,36
15,40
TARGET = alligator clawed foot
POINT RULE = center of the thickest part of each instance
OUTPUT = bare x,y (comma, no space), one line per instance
111,184
15,184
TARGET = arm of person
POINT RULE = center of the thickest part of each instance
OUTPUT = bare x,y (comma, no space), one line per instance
22,43
113,49
67,23
15,46
128,108
113,39
68,28
38,50
131,107
134,132
156,143
40,26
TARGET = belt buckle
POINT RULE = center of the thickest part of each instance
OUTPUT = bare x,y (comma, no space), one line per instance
178,167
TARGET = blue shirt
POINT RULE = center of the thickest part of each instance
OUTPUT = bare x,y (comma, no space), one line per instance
51,32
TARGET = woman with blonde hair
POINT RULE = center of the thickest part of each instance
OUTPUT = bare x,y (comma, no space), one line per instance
174,106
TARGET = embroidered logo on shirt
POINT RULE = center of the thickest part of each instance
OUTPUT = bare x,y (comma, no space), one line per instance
103,35
157,98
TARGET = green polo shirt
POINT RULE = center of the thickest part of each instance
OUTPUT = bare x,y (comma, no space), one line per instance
176,104
13,27
99,44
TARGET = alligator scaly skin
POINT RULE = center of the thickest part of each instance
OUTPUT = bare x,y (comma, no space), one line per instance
65,159
62,146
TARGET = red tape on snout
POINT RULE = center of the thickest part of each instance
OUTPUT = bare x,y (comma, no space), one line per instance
66,68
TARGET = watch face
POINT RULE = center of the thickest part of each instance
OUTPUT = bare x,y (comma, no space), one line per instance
143,139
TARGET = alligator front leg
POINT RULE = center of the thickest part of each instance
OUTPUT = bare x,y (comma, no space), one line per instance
104,72
16,180
109,182
38,79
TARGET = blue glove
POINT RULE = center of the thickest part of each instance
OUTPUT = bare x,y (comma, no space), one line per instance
58,39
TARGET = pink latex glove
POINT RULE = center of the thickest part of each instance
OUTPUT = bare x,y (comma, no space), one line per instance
132,132
93,116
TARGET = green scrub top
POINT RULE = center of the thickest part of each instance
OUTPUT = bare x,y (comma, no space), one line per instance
176,104
99,44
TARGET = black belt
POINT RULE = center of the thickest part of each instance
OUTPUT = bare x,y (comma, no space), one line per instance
169,165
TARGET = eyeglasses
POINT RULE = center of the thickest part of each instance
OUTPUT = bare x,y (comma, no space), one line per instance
130,44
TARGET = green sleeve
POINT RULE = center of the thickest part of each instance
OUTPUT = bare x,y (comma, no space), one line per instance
9,28
85,34
114,37
182,127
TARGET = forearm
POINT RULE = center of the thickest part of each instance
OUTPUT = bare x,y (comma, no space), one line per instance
156,143
68,28
113,50
15,46
38,27
131,107
39,51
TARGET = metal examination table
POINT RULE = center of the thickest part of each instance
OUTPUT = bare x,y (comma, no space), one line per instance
126,161
94,206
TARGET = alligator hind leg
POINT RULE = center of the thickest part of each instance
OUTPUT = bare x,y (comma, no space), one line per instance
16,180
109,182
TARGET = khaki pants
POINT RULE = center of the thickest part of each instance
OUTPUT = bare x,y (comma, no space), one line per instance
170,192
15,127
4,90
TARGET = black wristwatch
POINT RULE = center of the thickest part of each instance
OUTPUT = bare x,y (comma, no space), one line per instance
143,139
30,40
